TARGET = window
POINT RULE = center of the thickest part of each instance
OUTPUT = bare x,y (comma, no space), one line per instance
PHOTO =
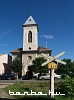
29,57
29,48
30,36
29,19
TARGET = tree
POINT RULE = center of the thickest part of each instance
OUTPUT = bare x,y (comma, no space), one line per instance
16,66
37,68
66,69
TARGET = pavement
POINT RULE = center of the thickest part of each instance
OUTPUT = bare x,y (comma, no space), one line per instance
3,94
3,85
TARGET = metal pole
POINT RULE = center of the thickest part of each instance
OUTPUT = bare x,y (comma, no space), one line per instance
52,83
46,43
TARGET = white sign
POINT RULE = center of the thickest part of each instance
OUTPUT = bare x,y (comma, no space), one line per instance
34,93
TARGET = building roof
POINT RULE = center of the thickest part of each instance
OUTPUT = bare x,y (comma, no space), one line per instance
20,49
3,54
17,50
30,21
42,48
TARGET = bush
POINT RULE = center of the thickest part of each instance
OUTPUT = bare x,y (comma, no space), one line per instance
66,86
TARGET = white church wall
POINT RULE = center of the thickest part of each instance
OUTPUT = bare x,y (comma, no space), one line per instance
26,61
34,44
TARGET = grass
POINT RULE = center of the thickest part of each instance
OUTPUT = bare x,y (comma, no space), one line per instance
35,87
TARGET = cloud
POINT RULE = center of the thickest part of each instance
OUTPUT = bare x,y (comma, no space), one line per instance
5,33
47,36
3,44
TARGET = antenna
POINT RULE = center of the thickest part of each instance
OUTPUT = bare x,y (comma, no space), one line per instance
47,37
46,43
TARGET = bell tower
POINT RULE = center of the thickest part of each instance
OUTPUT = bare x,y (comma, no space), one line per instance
30,35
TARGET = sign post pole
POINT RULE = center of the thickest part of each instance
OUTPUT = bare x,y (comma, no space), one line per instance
52,83
51,67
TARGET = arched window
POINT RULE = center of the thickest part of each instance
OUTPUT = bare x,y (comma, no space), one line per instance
30,36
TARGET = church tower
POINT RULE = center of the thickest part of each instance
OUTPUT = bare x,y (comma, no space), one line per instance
30,35
30,43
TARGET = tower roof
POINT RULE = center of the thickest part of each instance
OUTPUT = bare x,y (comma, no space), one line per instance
30,21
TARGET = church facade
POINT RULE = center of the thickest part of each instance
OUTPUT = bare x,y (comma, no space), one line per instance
30,49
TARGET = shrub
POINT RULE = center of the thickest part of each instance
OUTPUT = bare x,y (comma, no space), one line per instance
66,86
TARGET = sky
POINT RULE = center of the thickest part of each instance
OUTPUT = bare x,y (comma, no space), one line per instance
55,19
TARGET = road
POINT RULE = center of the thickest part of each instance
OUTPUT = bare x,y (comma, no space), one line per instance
4,83
19,80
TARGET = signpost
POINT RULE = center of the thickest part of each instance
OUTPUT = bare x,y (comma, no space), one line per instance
51,67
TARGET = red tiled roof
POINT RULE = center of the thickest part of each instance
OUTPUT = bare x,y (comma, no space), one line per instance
20,49
17,50
42,48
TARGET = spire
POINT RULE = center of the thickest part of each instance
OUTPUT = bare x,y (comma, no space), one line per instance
30,21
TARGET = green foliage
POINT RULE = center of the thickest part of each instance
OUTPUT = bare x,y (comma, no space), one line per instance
66,86
66,69
37,65
34,86
16,66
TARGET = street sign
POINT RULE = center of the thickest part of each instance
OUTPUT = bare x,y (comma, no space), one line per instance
52,65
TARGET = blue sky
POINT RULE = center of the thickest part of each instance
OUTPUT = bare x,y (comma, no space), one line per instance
55,18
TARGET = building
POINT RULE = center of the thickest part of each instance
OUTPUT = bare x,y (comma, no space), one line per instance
30,49
5,60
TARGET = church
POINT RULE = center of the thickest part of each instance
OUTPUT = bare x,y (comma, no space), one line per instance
30,49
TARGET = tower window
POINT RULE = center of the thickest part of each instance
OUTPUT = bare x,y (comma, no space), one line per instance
29,57
29,48
30,36
30,20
